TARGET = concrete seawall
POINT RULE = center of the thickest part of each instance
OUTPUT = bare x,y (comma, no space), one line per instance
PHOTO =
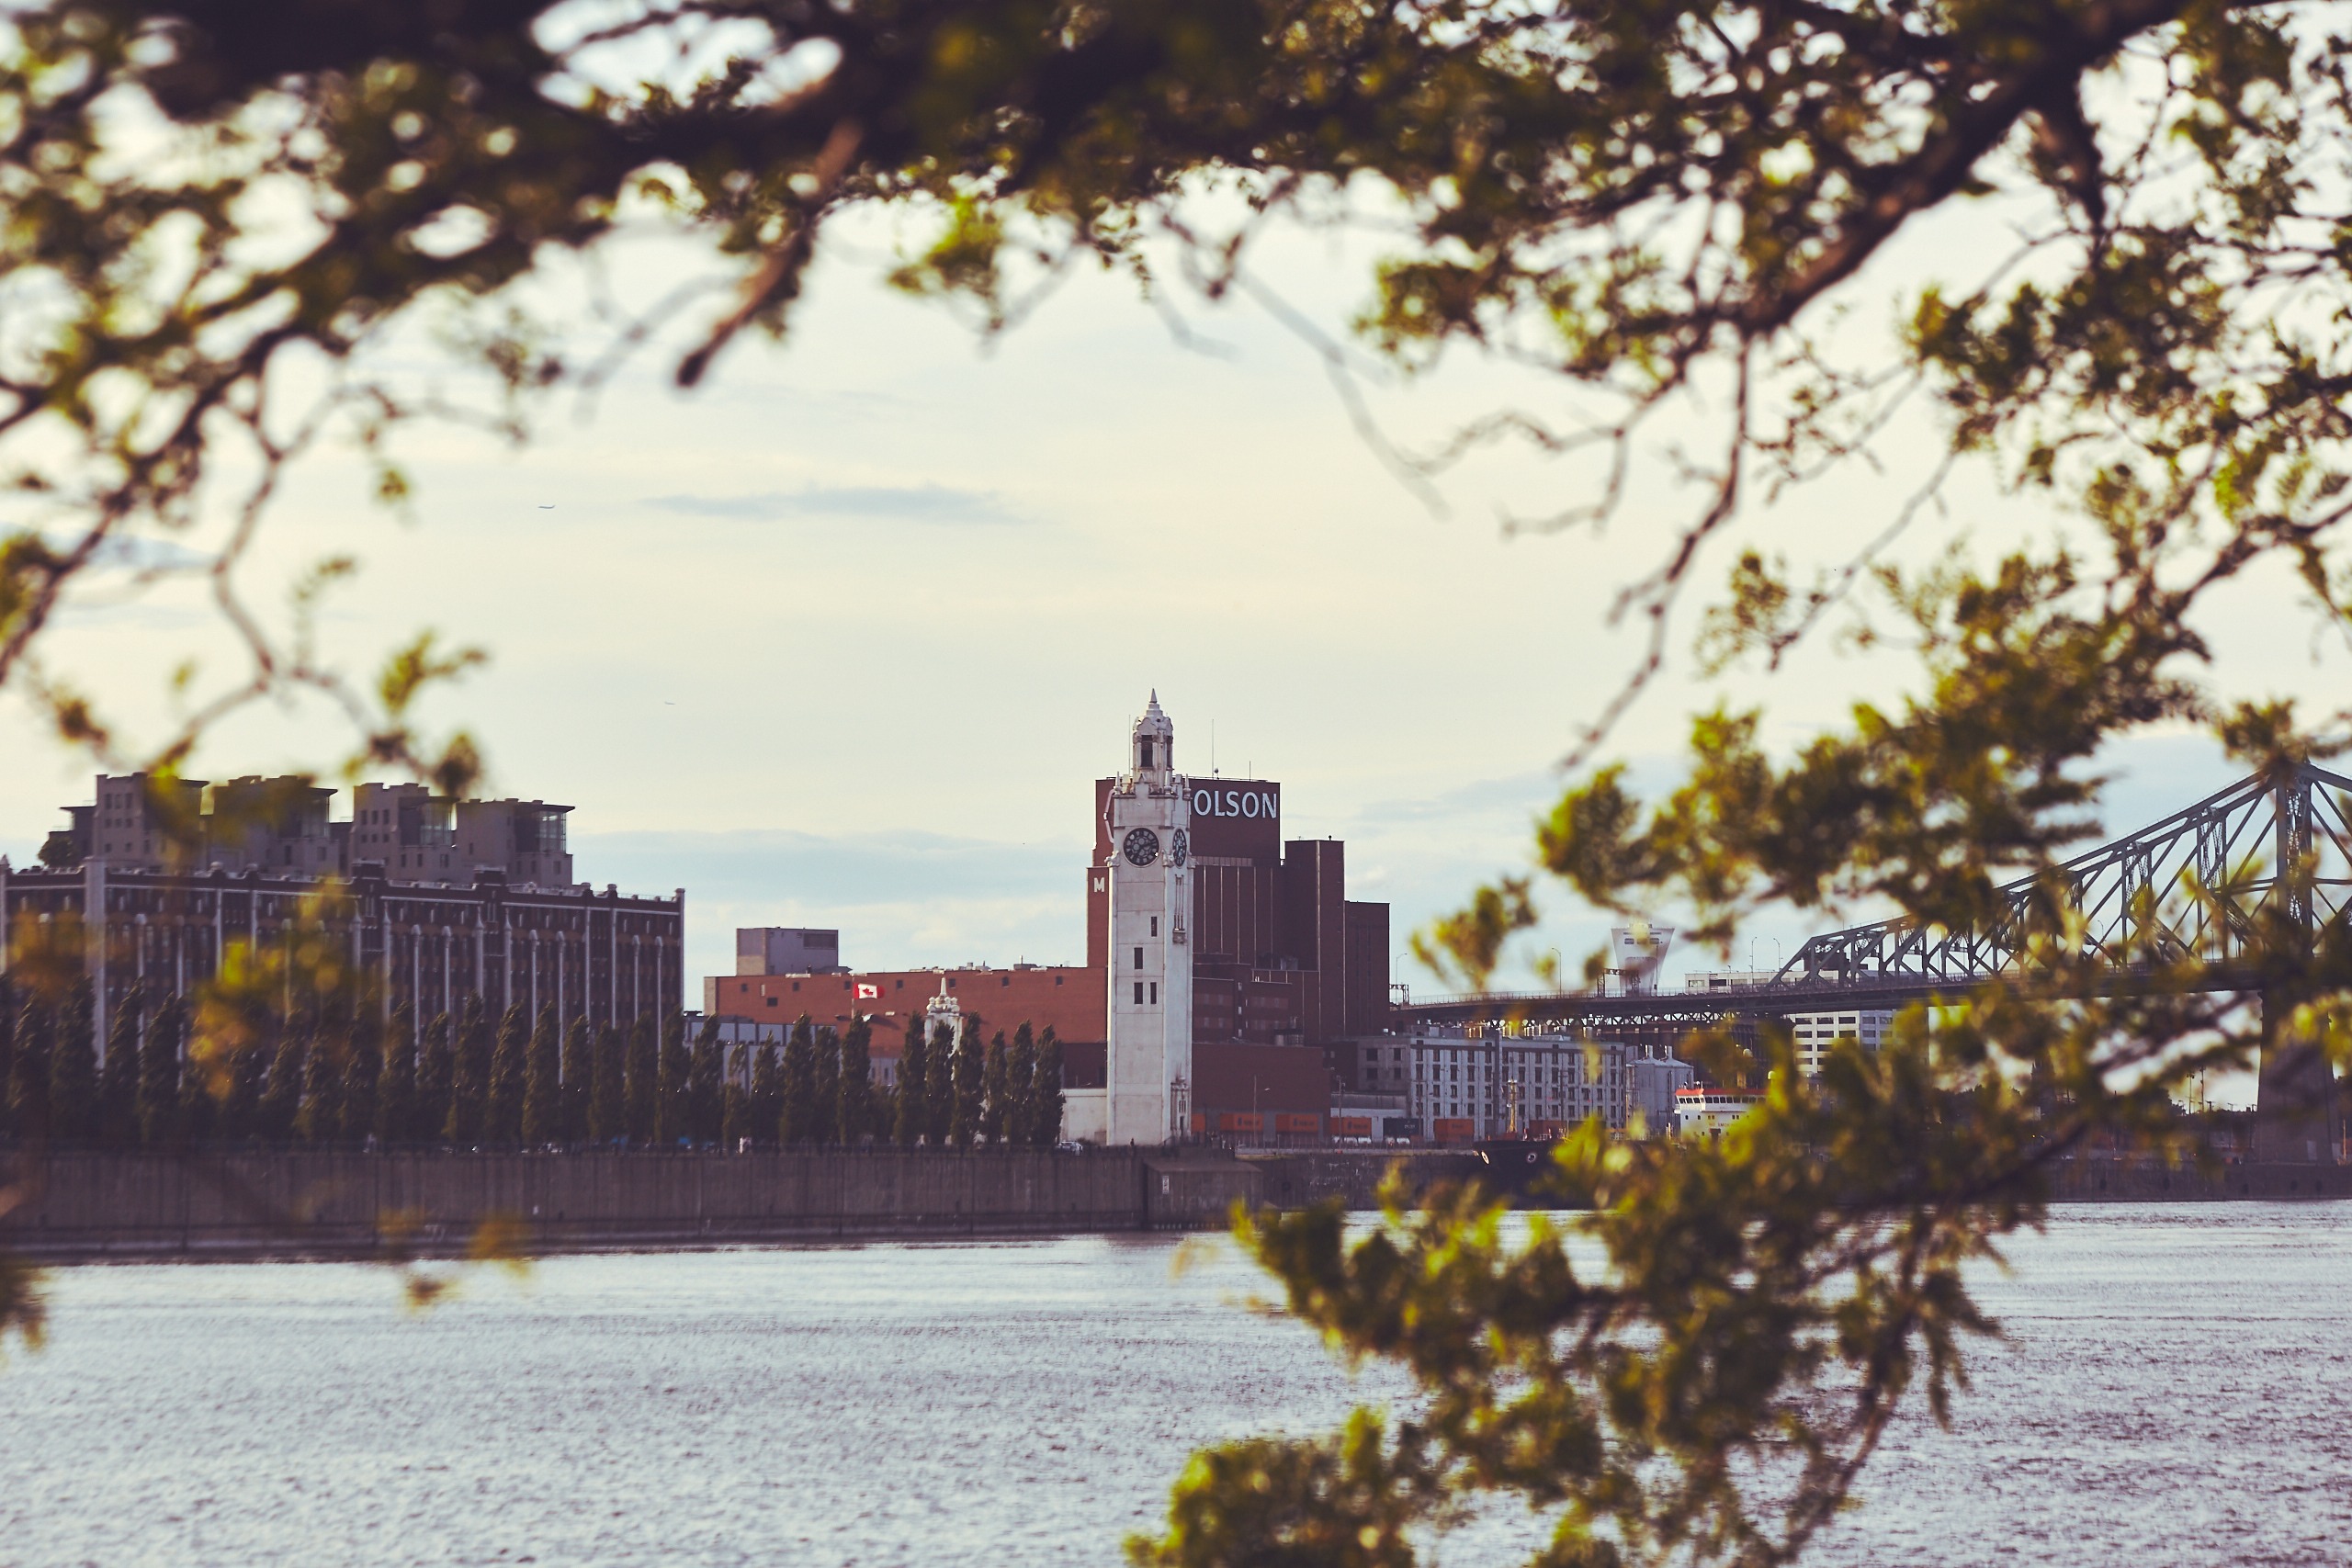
130,1206
97,1206
1298,1180
2138,1181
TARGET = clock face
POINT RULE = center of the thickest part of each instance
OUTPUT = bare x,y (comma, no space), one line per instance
1141,846
1180,848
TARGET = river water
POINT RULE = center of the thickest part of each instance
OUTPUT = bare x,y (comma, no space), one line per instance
2175,1387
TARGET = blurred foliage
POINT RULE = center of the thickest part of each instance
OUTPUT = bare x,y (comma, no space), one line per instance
1698,1367
214,212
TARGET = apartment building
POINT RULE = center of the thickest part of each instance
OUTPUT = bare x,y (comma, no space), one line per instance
1816,1033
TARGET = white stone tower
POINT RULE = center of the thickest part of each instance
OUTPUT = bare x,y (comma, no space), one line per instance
1150,1025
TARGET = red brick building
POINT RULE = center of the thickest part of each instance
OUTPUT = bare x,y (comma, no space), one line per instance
1067,1000
1281,957
1283,964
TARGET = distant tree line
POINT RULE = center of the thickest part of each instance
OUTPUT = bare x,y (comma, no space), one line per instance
953,1091
347,1075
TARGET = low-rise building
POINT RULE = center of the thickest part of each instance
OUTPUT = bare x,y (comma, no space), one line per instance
1652,1085
1814,1033
1465,1082
787,949
1066,999
1362,1116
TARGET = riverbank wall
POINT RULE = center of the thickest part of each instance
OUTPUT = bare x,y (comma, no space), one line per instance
90,1206
78,1206
1298,1180
2151,1181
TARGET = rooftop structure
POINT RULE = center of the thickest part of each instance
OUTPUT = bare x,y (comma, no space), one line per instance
284,826
787,949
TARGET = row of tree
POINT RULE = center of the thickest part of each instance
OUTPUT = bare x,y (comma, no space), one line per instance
953,1092
325,1075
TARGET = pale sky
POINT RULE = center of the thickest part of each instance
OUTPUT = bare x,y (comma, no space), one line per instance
841,639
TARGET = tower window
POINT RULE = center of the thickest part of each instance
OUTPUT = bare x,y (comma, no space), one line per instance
1155,925
1138,993
1154,993
1143,756
1138,957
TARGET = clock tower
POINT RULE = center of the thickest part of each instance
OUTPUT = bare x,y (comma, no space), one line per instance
1150,1029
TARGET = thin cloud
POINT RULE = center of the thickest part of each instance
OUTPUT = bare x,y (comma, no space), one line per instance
888,503
144,553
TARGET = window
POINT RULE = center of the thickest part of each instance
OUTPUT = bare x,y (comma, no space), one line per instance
772,1001
1138,957
1138,993
1155,925
1154,993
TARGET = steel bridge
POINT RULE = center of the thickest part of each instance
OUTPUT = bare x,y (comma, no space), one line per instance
2271,842
2274,844
2279,843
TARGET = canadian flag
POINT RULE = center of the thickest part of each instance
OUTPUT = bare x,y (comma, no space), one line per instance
866,992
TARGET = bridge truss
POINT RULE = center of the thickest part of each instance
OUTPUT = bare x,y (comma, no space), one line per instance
2235,842
2279,840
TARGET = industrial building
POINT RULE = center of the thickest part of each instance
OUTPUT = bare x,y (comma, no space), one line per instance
161,883
1465,1082
1066,999
1226,967
284,827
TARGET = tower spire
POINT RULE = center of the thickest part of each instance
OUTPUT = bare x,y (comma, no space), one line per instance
1154,747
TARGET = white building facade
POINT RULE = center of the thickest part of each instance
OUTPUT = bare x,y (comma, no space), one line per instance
1467,1082
1814,1033
1147,1069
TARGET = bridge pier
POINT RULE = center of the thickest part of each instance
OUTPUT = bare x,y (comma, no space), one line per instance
2298,1108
